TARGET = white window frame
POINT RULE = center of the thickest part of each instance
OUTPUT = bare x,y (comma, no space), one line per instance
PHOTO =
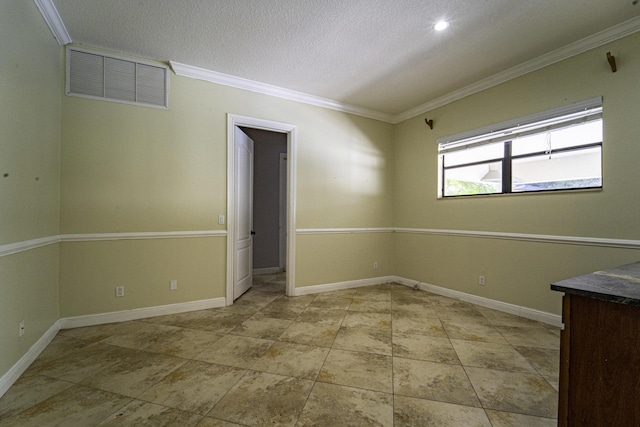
584,111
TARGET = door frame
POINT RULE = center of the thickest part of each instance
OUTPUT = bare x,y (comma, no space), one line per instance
233,121
282,212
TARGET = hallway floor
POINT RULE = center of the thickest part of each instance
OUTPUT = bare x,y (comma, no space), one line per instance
373,356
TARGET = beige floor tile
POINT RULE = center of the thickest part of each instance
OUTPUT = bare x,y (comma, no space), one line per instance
411,324
133,375
178,319
324,316
368,340
259,326
219,322
29,391
337,303
370,294
347,353
362,370
92,333
518,392
545,360
75,406
61,346
236,351
540,337
420,307
412,412
294,360
335,405
433,381
139,413
278,310
194,387
369,320
370,306
185,343
260,399
137,334
310,334
85,363
508,419
212,422
491,355
424,347
500,318
469,330
467,315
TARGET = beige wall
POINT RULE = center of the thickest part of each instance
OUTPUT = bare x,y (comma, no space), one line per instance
105,167
30,91
520,272
135,169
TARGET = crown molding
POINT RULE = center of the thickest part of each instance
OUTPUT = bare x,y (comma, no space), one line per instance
591,42
292,95
53,20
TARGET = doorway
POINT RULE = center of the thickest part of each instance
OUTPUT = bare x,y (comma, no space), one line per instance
235,195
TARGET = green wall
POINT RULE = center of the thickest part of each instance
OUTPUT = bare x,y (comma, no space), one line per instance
520,272
31,76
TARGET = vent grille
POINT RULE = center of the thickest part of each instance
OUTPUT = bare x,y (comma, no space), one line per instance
94,75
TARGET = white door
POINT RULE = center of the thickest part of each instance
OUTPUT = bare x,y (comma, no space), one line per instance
243,259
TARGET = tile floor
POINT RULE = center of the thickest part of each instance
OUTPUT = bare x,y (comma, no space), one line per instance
374,356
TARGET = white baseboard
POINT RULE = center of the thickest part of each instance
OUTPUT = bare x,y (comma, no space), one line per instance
266,270
139,313
11,376
316,289
529,313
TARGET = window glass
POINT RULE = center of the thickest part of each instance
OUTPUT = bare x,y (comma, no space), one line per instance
566,170
475,179
560,149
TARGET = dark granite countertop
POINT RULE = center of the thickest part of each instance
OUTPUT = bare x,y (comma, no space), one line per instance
620,284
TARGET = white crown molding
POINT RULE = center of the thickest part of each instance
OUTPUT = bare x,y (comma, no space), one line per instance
94,237
53,20
596,40
292,95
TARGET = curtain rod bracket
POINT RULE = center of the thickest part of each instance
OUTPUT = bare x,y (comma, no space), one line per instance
612,62
429,123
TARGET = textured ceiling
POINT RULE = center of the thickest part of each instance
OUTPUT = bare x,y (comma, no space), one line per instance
382,55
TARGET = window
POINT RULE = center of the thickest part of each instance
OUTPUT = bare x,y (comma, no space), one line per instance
555,150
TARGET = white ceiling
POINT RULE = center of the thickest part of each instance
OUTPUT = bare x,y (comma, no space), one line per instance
379,55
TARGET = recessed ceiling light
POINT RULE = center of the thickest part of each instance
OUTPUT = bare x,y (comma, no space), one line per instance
441,25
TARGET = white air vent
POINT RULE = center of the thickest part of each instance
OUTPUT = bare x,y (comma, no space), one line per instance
95,75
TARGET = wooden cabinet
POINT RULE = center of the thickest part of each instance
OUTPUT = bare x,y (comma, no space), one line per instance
600,349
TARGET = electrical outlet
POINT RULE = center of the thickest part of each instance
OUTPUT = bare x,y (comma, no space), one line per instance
173,285
375,265
119,291
481,280
21,328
